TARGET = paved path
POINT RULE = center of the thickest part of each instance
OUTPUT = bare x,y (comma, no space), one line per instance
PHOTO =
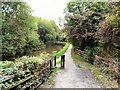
74,77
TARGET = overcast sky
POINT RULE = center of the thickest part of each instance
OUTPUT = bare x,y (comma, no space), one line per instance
48,9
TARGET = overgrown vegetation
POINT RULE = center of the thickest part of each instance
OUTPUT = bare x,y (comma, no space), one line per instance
94,28
50,82
48,31
103,80
20,69
83,25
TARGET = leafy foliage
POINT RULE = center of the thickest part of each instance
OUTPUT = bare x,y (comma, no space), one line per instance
48,31
83,19
26,65
94,27
109,32
22,32
17,29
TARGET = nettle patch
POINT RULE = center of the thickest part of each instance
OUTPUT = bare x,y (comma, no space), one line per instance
26,72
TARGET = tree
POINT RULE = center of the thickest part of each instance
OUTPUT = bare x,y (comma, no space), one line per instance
83,20
48,31
109,33
17,28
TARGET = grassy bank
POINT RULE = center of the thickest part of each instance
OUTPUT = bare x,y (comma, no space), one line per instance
103,80
62,51
50,81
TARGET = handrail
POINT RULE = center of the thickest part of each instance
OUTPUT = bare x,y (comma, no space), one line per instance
7,78
21,81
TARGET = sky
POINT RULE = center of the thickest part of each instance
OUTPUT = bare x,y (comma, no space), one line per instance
48,9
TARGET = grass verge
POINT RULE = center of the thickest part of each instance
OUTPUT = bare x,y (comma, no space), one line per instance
50,82
62,51
103,80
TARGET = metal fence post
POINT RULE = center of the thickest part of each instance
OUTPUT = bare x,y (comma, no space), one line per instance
55,61
63,61
50,64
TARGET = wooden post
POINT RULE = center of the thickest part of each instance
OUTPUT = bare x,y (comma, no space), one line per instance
55,61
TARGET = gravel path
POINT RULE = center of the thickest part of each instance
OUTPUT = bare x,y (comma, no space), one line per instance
74,77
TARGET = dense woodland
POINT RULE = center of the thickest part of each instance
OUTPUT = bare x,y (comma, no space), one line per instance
94,27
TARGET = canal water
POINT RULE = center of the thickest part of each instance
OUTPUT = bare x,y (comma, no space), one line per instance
50,49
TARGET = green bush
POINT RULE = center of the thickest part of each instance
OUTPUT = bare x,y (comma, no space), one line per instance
48,31
19,29
22,32
90,53
109,32
24,63
20,68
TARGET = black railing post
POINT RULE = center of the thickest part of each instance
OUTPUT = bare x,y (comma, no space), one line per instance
55,61
50,65
63,61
